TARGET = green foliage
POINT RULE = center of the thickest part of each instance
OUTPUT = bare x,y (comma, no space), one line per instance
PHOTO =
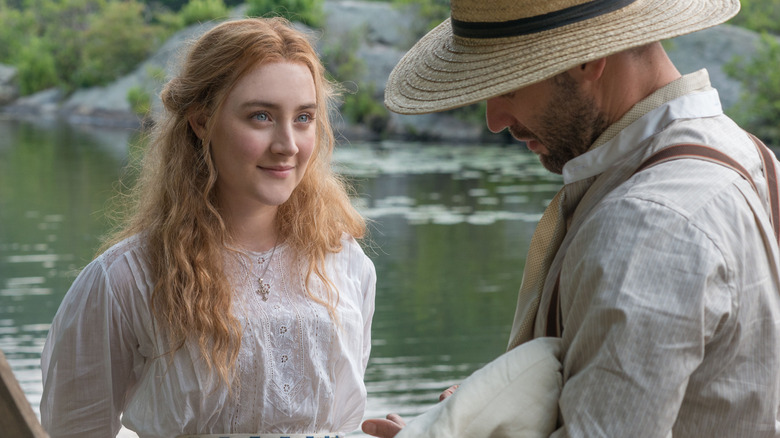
140,100
199,11
79,42
13,24
432,11
339,56
36,65
308,12
177,5
759,15
360,106
115,42
156,73
62,25
758,110
474,113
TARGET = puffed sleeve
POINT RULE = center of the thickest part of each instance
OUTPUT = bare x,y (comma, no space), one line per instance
87,361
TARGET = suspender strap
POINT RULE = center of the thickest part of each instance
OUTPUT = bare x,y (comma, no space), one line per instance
707,153
770,172
699,152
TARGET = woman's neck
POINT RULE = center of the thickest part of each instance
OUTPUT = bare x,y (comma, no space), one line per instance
253,230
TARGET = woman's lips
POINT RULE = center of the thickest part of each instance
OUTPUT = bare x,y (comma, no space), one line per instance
278,171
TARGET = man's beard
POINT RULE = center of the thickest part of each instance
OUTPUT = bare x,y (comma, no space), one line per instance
570,124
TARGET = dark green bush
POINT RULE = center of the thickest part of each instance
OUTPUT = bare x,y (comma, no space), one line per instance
140,100
116,41
199,11
759,15
37,69
308,12
758,110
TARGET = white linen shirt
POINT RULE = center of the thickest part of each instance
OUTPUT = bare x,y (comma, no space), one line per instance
669,294
298,372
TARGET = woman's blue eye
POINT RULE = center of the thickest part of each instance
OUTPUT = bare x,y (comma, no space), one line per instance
263,117
304,118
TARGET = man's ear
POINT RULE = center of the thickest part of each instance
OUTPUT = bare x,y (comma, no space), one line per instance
198,124
589,71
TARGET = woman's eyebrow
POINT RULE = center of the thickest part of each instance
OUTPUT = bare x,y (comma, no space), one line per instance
272,105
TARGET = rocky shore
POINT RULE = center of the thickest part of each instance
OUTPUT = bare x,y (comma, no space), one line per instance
381,44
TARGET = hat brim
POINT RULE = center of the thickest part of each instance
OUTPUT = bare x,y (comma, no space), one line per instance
443,71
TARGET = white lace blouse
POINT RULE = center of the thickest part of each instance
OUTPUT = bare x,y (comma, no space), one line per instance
298,371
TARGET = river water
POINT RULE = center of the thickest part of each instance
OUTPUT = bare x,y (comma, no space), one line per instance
450,226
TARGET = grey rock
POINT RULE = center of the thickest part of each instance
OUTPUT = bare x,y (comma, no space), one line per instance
385,31
711,49
9,90
43,103
383,23
111,100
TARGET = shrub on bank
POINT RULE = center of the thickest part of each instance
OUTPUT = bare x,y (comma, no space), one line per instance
308,12
199,11
758,110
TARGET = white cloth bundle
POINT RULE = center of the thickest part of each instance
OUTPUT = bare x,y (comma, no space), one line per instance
515,395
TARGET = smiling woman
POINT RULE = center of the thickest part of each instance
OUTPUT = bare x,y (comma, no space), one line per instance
262,141
235,298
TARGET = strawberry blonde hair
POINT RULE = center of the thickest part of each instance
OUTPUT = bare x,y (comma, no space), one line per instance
174,201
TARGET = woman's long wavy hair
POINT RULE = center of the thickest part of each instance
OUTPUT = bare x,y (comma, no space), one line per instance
174,200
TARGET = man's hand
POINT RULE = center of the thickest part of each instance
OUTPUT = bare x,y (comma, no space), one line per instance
394,423
384,428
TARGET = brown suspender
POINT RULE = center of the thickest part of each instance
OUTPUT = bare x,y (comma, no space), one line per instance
700,152
707,153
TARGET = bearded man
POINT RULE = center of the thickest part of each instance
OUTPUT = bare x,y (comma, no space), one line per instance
653,274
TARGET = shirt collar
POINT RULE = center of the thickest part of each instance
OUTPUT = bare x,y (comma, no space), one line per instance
690,96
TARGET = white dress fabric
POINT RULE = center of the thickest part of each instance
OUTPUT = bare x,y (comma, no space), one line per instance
297,370
669,294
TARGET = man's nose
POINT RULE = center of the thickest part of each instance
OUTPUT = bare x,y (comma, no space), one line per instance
496,115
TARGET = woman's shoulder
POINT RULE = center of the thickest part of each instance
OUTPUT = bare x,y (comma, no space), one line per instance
133,246
350,247
125,265
353,257
116,276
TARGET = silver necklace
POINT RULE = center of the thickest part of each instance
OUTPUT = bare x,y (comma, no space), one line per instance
263,288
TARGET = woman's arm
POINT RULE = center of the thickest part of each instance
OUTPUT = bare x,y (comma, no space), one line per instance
87,361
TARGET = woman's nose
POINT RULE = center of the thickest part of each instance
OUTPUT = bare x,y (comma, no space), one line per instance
284,140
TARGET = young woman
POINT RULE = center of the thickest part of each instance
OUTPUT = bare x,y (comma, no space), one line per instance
235,299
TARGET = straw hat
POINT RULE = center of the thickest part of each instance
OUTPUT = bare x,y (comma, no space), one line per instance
491,47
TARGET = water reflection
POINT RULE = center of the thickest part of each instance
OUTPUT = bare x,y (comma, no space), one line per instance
450,226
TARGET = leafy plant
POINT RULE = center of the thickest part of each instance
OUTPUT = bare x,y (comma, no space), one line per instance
308,12
88,42
361,105
37,69
140,100
15,28
759,15
758,109
433,12
115,42
198,11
